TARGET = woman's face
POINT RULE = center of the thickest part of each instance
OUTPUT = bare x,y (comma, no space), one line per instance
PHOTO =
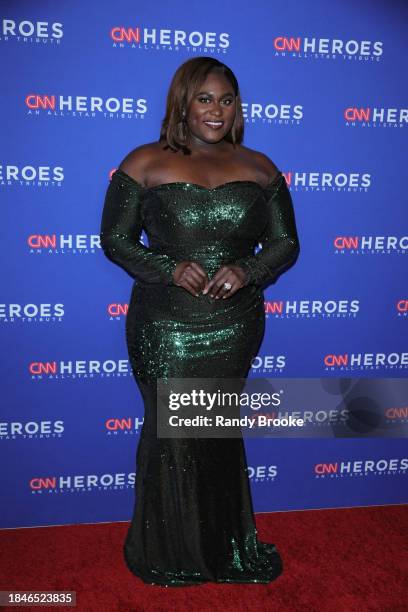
212,110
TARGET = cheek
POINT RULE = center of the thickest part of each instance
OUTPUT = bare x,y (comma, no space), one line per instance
198,113
229,117
195,118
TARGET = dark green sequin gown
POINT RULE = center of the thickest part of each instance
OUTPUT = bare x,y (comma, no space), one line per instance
193,518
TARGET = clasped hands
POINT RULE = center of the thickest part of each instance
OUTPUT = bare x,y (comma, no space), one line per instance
191,276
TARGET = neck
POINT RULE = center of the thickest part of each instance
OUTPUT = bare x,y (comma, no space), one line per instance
206,148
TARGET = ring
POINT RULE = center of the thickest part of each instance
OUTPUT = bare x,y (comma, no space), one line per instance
227,286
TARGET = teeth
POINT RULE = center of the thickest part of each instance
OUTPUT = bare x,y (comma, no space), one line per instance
213,122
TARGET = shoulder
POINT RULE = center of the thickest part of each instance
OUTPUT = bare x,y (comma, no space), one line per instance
262,161
136,162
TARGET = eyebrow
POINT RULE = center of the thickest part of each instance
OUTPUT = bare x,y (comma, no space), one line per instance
207,93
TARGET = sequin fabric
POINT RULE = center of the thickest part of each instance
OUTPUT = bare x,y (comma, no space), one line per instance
193,519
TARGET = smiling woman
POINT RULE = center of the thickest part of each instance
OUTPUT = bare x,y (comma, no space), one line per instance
205,201
211,101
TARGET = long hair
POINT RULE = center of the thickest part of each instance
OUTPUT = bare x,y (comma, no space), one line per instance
186,81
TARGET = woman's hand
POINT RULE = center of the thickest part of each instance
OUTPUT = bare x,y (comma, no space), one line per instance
191,276
234,275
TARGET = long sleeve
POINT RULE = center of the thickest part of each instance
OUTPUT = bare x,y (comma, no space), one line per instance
279,238
120,231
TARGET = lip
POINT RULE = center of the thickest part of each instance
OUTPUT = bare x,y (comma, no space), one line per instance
214,125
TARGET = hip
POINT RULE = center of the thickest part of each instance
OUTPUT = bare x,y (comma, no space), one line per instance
173,303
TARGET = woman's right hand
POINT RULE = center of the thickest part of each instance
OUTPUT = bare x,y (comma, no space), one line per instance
191,276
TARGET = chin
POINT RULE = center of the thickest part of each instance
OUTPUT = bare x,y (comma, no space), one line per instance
216,137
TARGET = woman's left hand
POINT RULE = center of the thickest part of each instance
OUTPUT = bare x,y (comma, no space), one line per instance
234,275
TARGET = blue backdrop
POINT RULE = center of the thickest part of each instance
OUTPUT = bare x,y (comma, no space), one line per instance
324,97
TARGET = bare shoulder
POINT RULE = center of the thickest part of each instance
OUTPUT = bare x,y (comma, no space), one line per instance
262,161
136,162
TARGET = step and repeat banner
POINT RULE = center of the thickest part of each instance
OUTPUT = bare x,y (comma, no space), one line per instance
324,97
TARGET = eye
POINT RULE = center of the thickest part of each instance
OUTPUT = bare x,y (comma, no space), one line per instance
228,102
204,98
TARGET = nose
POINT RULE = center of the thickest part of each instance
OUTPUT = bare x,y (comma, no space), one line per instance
216,109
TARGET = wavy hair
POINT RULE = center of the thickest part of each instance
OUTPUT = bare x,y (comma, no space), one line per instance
186,81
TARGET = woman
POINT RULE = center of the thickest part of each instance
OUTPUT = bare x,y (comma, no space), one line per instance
197,310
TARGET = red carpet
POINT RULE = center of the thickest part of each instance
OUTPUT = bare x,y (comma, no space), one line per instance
334,561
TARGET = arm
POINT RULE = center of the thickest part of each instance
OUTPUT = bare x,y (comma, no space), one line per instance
120,231
279,239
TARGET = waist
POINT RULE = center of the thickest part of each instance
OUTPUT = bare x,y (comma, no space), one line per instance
176,303
209,256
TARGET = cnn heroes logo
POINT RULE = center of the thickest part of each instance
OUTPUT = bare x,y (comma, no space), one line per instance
312,309
81,483
357,362
359,468
128,426
262,473
268,364
276,114
84,369
31,176
160,39
358,182
27,31
309,47
81,107
401,307
31,313
63,244
15,430
372,117
370,245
